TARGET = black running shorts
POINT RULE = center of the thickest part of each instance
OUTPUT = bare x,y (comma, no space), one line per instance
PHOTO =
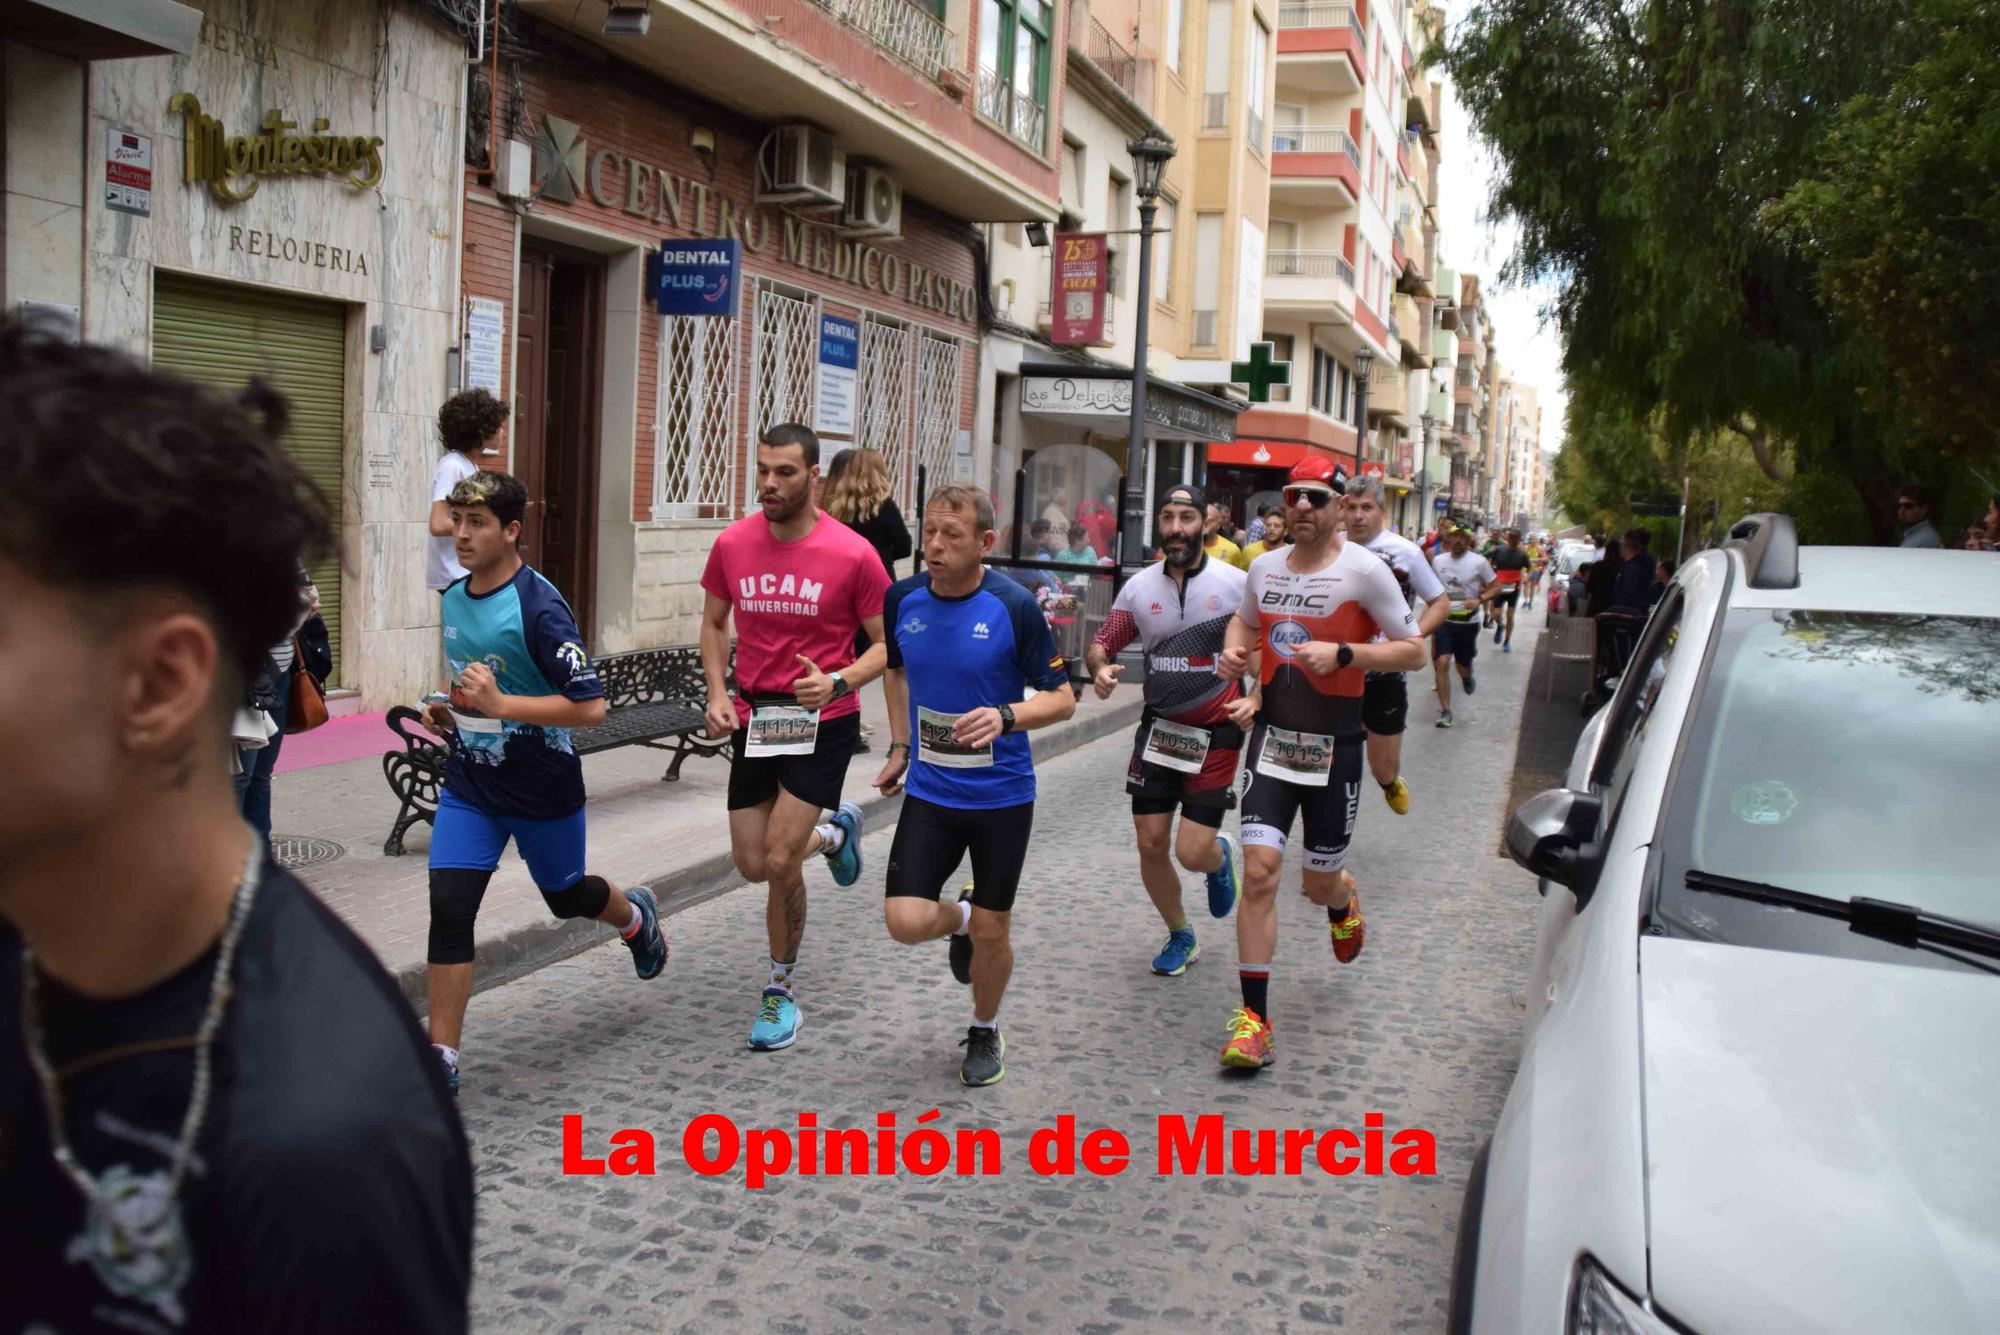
1509,596
1203,798
815,779
931,841
1456,639
1269,805
1385,704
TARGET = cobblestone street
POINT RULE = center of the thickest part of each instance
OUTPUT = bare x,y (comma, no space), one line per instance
1423,1029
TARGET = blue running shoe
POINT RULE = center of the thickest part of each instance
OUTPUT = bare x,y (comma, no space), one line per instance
1181,951
450,1069
846,864
778,1022
649,944
1225,883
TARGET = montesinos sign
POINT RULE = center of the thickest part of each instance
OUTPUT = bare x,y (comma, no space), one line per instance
232,165
566,166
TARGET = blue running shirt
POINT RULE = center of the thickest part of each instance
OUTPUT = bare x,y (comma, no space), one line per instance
524,631
962,654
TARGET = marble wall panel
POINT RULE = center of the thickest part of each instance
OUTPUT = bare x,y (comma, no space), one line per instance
392,564
391,667
399,452
44,249
44,101
118,302
407,376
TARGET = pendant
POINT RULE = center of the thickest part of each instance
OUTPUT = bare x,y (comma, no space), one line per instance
136,1241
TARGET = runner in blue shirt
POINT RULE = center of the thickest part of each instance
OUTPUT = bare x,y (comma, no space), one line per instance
965,646
520,683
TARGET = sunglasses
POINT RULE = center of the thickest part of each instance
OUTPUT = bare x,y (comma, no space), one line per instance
1317,497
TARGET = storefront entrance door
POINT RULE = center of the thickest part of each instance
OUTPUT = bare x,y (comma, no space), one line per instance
561,321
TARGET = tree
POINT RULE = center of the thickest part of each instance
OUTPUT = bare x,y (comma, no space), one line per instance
1644,148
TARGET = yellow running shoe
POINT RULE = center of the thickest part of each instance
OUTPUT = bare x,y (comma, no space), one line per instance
1397,795
1251,1045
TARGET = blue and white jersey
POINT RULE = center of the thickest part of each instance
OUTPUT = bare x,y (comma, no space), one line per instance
525,633
961,654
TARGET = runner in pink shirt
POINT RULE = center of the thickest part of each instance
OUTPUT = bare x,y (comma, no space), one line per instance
801,586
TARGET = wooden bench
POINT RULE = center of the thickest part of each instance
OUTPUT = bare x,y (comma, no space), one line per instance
654,697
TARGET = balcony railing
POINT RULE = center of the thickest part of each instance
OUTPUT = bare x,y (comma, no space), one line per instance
1016,113
1310,264
1110,55
1322,16
1315,139
1204,329
899,28
1215,111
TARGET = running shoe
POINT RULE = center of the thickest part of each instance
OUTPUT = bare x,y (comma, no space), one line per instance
1251,1044
961,946
984,1050
1397,795
649,944
1507,647
1444,719
778,1022
846,863
1498,631
1470,684
1349,933
1181,951
1225,883
450,1068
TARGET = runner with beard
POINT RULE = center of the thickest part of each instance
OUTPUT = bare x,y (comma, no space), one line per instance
1385,699
1470,583
1510,564
1325,612
801,586
1192,730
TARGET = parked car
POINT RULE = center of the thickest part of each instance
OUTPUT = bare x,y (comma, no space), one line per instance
1758,1086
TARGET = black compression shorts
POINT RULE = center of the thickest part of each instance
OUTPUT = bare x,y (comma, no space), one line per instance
815,779
1385,703
1270,804
931,841
1202,797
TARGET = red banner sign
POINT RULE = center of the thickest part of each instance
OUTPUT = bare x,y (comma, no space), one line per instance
1373,469
1406,458
1079,278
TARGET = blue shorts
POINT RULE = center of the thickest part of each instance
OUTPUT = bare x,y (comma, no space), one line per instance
464,836
1456,639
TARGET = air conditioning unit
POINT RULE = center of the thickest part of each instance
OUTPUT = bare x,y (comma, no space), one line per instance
800,164
874,205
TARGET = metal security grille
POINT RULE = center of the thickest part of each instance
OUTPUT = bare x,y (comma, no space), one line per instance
223,335
885,400
697,468
785,357
939,376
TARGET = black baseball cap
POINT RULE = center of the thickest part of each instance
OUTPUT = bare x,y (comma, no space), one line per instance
1185,493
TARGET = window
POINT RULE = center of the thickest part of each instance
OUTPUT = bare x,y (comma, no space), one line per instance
1071,181
1626,731
1347,404
1281,351
1323,387
1176,16
784,359
1163,252
1215,64
1207,277
1253,92
883,396
697,470
1014,68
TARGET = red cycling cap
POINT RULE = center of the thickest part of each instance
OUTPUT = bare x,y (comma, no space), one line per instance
1320,469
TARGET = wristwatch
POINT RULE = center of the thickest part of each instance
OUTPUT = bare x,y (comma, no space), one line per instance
840,686
1345,658
1006,713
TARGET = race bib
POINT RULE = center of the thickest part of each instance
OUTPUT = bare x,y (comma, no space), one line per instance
1304,758
474,721
1177,746
936,746
781,730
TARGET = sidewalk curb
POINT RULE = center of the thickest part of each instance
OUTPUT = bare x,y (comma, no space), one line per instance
523,950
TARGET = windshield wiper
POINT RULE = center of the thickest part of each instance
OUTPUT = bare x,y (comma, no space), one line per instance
1886,920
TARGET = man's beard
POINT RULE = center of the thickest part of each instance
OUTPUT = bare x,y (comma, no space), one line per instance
1184,556
788,510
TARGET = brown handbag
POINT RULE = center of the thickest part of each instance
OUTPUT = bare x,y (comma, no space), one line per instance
307,707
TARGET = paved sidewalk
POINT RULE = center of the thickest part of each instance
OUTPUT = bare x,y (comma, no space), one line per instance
672,836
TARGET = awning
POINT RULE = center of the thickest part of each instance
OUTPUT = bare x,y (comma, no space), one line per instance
1093,398
1257,453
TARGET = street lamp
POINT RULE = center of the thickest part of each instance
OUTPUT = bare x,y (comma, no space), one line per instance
1424,472
1364,365
1149,164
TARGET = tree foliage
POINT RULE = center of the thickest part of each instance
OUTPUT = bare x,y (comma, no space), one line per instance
1653,154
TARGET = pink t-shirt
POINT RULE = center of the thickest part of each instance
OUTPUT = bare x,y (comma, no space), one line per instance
806,597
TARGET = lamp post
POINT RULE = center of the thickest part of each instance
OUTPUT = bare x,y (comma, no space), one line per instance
1364,366
1424,473
1149,164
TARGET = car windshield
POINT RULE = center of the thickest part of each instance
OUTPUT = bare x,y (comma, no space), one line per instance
1844,754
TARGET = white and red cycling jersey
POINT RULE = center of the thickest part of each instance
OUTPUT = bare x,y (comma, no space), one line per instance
1350,600
1180,625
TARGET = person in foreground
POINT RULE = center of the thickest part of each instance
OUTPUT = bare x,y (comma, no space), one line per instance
216,1111
966,644
1321,614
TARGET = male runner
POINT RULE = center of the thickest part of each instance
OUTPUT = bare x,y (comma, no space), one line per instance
1469,580
1510,564
1316,609
1192,729
965,645
521,683
216,1111
802,587
1214,541
1385,699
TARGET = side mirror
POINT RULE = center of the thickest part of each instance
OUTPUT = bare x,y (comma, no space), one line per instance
1553,835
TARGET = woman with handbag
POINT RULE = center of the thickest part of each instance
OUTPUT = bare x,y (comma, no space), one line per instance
269,710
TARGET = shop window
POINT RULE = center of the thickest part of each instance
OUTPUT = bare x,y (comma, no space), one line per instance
786,359
884,425
695,475
1014,68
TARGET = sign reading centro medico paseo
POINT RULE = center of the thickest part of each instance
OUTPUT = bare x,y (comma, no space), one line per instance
1079,279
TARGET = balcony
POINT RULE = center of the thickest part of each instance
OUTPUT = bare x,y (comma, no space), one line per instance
1406,322
1109,54
1318,284
900,29
1315,164
1387,395
1321,48
1016,113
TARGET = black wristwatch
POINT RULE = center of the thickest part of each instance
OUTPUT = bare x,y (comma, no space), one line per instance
1006,713
840,686
1345,658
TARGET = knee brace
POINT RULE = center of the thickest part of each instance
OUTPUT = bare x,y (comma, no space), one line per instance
585,897
455,896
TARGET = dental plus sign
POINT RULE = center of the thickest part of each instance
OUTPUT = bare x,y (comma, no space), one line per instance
1260,373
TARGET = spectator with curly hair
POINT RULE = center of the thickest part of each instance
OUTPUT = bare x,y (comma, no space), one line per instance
469,422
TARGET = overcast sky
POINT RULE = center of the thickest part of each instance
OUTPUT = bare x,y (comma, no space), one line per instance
1528,351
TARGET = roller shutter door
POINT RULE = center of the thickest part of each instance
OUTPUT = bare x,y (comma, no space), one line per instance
223,335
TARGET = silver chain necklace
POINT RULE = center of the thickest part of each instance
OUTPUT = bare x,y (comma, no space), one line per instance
134,1235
